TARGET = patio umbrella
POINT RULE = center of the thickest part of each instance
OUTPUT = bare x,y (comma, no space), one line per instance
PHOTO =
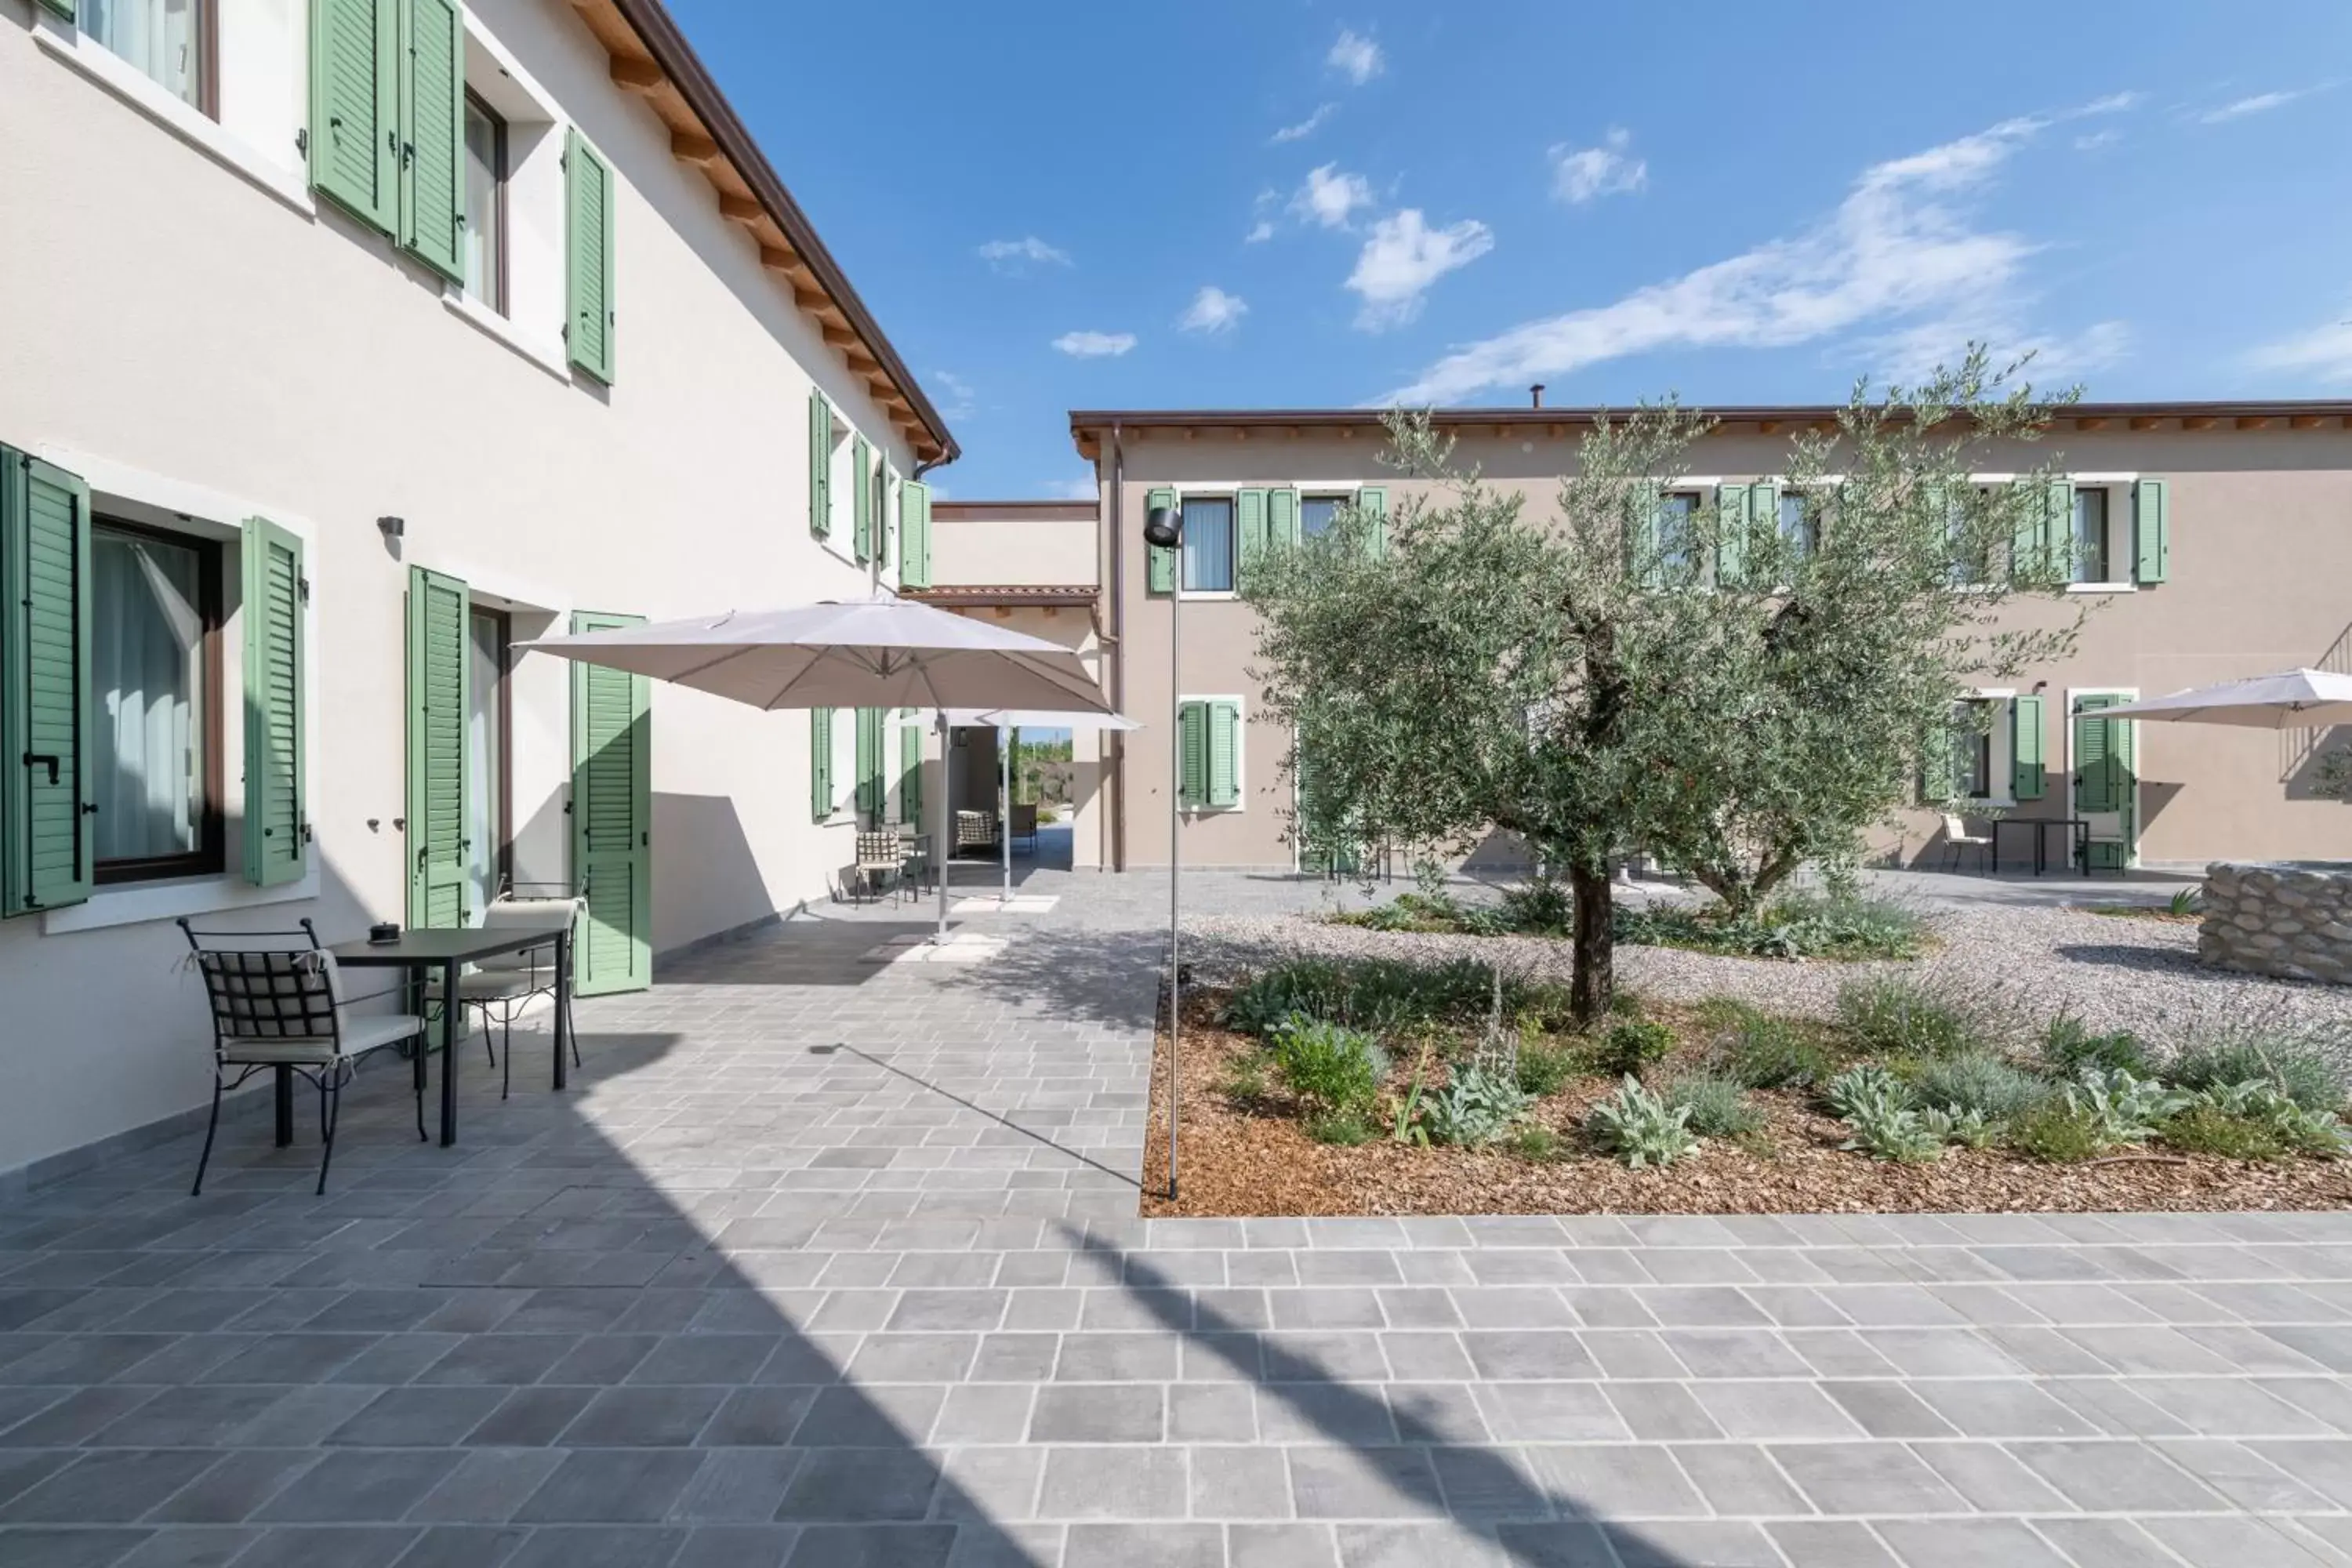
1008,718
2294,699
877,651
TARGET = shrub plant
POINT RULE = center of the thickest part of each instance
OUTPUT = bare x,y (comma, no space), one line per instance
1331,1070
1479,1103
1640,1128
1716,1105
1631,1044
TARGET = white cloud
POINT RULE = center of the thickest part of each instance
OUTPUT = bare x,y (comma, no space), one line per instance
1086,489
2260,103
1581,174
1018,255
1403,257
1260,232
1214,312
2322,353
1307,127
1330,197
959,404
1898,254
2093,141
1095,345
1355,57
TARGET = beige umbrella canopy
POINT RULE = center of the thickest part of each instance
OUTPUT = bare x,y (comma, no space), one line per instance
2294,699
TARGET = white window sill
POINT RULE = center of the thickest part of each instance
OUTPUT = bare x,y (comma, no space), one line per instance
1209,596
109,71
2103,587
138,903
547,356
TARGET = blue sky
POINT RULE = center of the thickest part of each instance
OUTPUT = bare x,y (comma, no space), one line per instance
1058,206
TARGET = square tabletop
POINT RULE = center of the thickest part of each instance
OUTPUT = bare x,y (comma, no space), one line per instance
447,945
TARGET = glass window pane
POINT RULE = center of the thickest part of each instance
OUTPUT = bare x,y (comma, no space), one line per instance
1678,538
1208,544
2090,536
483,239
1315,512
485,832
162,37
146,662
1799,532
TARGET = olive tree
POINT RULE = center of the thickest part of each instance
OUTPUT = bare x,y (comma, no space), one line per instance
1735,686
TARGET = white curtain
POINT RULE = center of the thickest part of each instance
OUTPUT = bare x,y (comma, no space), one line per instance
146,647
161,37
1208,545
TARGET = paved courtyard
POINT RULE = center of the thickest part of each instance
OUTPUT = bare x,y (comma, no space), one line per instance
837,1264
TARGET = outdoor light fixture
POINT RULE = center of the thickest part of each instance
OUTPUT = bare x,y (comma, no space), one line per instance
1163,529
392,527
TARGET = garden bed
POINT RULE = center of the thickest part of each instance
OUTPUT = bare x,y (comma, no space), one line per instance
1247,1147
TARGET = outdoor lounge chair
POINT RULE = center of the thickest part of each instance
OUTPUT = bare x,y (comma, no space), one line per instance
880,855
284,1008
1958,839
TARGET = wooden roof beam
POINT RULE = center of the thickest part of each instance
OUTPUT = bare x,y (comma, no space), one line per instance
2145,422
740,209
636,75
687,147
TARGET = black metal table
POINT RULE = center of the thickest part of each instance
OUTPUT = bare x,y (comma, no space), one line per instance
419,952
2074,826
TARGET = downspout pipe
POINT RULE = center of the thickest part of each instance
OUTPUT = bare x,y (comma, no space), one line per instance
1119,645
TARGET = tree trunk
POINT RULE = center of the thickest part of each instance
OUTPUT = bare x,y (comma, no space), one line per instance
1595,981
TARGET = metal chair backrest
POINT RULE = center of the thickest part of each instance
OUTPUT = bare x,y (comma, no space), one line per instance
1954,827
879,852
269,994
550,913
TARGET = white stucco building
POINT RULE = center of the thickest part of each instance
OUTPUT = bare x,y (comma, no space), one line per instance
343,345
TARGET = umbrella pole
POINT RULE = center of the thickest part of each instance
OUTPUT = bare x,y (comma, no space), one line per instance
942,851
1004,739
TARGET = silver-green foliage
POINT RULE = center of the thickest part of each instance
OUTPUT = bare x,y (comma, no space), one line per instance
1886,1130
1978,1082
2256,1099
1719,1105
1866,1090
1971,1128
1478,1104
2121,1108
1331,1070
1640,1128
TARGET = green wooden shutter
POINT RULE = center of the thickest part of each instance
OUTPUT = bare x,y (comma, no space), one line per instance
1645,544
612,820
1282,519
911,770
62,7
589,315
439,671
870,767
2105,778
861,501
354,139
1192,754
885,484
1763,532
47,710
433,134
1160,563
1374,500
820,466
913,535
1249,524
1224,753
1731,535
276,800
2151,530
2028,774
1937,757
821,796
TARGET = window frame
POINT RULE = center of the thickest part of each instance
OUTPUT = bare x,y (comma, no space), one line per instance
503,180
210,857
207,35
1231,500
2106,575
1978,738
1339,498
1689,568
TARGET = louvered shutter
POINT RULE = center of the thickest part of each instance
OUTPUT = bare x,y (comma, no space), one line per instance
861,501
355,136
2094,755
1160,563
886,486
1249,523
2151,530
589,314
1939,757
1224,753
821,796
911,770
47,710
439,671
2028,774
433,134
913,535
1374,502
1282,519
1763,525
870,767
276,800
819,451
612,820
1193,755
1731,535
62,7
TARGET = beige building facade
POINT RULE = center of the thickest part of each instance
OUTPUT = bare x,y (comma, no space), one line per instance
304,440
2216,543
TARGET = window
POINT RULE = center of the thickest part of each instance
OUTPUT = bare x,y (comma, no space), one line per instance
1208,544
1209,753
488,781
2090,536
1317,513
1678,538
155,663
484,241
1800,531
170,40
1972,749
1965,529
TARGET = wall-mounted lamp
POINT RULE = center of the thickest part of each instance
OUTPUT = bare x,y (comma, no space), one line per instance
2040,686
392,527
1163,529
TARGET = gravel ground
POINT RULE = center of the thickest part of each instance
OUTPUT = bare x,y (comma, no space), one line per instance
2116,973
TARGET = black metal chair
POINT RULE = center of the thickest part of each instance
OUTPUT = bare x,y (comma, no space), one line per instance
500,987
284,1008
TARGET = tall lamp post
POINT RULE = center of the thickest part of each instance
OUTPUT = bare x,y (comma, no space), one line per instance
1163,529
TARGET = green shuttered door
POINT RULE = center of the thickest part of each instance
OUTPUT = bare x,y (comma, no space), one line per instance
870,782
820,763
612,819
433,134
913,535
46,716
438,673
354,107
911,770
276,806
588,257
2106,779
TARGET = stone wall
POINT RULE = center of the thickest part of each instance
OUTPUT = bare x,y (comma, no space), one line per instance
2291,918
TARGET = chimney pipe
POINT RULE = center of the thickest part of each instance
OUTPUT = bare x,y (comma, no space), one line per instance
1535,395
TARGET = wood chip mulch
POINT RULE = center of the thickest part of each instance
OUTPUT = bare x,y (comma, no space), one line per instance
1236,1160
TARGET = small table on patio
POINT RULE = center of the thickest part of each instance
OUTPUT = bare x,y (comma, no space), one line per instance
2078,834
419,952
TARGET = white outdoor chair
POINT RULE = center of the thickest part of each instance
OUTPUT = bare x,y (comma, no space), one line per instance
284,1008
501,986
1958,839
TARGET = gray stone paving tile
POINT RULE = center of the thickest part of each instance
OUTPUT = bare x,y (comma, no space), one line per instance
1888,1410
107,1487
1774,1410
1144,1546
1828,1543
1864,1478
604,1547
736,1546
2230,1542
1102,1413
612,1486
195,1546
1121,1483
1363,1482
60,1547
1281,1546
346,1546
487,1486
1548,1411
2114,1478
1237,1483
1968,1543
1409,1544
1617,1481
